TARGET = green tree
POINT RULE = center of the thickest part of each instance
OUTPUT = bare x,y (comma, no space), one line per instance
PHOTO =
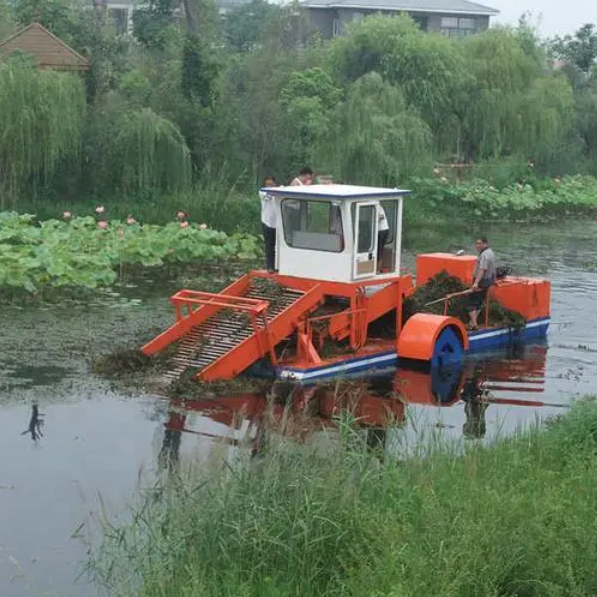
41,120
586,121
579,49
428,68
307,100
244,26
199,70
514,105
54,15
154,24
375,138
7,26
134,150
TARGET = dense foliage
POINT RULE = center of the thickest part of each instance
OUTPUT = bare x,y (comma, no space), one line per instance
483,201
83,252
196,98
513,519
41,120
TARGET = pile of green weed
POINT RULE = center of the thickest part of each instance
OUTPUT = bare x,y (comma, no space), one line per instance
443,284
122,361
517,518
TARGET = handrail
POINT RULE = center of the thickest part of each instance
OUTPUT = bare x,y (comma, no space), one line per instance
226,301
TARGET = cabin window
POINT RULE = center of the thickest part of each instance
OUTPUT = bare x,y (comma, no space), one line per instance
315,225
367,221
365,241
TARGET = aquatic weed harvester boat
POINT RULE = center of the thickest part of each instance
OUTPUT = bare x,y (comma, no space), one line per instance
335,305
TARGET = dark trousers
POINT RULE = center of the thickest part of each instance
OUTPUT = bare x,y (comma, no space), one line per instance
269,236
382,239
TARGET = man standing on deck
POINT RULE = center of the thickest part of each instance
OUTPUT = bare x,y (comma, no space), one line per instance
268,224
483,278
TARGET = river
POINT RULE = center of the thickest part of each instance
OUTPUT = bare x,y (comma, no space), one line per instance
98,442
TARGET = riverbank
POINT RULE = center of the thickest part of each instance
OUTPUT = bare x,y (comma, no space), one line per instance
440,200
516,518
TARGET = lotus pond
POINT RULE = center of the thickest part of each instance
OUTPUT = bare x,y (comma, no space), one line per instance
101,439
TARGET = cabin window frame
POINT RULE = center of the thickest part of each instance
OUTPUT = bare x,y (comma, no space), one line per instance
307,224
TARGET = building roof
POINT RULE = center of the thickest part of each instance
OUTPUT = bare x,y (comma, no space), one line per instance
425,6
48,50
334,191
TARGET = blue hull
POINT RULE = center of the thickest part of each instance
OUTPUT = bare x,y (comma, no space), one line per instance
478,341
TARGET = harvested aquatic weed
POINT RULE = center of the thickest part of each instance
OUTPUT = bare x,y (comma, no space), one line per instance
443,284
126,360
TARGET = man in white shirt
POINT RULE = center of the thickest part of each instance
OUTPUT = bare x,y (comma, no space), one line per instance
305,177
268,223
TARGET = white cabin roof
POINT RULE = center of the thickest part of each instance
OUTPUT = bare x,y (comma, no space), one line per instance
335,191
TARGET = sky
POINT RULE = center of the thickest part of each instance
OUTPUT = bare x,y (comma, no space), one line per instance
553,17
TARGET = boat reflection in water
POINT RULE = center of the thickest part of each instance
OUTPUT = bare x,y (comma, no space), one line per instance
457,398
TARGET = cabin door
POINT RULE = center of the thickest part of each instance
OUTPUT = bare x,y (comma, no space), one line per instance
365,240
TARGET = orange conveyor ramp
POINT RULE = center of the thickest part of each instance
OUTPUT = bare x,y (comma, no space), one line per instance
219,335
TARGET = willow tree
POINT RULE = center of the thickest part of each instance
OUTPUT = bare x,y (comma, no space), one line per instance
428,68
41,118
375,138
515,105
151,153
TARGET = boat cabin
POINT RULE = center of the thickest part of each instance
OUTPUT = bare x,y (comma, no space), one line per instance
339,233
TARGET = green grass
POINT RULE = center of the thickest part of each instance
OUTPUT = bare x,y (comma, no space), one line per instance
514,519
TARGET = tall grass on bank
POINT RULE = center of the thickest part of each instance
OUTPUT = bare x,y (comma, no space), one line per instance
515,519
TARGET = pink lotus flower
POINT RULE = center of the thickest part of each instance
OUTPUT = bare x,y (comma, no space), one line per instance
557,180
66,215
102,224
436,171
184,224
202,226
444,179
100,209
180,215
520,186
130,221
